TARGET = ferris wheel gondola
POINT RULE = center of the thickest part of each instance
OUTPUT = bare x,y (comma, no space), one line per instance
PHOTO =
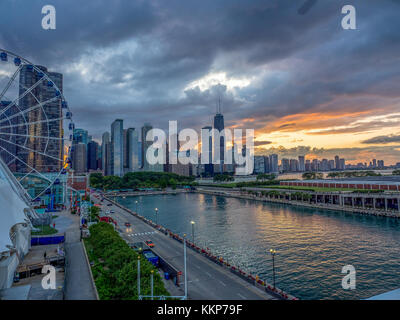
34,118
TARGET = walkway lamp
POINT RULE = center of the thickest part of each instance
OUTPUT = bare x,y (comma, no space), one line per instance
192,222
156,211
184,261
273,252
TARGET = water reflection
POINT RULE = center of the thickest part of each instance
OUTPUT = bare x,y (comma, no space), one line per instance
312,245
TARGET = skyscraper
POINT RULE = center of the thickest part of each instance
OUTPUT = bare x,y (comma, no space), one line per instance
125,146
106,153
80,135
337,163
79,160
302,166
219,125
146,166
92,154
117,148
44,155
132,140
273,161
145,145
209,167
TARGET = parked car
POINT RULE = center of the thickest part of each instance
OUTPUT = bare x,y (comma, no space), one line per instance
150,243
110,204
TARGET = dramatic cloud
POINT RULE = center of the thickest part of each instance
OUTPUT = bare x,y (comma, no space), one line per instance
383,139
278,66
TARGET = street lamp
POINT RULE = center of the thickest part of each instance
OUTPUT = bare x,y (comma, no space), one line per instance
136,202
184,259
156,211
192,222
273,252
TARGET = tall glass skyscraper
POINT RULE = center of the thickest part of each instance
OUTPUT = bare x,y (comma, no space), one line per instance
132,141
219,125
106,154
117,148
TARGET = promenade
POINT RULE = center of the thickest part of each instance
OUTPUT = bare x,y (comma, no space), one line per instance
78,283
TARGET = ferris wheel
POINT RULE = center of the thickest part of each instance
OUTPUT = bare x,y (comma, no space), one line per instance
36,128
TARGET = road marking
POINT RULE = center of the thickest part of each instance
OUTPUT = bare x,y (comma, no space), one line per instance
243,297
222,283
208,274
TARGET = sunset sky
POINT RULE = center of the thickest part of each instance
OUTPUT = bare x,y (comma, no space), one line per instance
305,85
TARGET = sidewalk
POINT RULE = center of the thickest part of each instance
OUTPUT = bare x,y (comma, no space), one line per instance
78,283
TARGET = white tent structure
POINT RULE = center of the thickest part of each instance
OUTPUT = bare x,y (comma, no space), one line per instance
14,225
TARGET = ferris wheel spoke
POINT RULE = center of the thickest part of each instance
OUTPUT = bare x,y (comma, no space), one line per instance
18,159
21,96
33,123
30,136
33,150
20,179
10,82
40,105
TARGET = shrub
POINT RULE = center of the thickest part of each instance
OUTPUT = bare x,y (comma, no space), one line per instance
115,266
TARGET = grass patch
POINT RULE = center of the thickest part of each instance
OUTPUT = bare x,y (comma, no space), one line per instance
44,231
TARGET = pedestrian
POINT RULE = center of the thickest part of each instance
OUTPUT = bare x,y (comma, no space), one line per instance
45,255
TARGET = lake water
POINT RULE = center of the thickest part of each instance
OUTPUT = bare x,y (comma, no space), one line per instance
312,244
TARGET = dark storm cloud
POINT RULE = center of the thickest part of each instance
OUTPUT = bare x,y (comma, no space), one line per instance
383,139
141,55
261,143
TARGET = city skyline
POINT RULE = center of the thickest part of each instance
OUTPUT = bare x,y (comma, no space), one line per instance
316,90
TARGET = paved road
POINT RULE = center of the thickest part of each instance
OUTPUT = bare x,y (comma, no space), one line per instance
206,280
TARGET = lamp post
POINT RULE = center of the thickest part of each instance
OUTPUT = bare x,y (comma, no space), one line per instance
152,284
138,275
156,211
184,258
136,202
192,222
273,252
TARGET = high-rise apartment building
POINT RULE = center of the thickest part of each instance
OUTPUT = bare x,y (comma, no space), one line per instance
44,155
